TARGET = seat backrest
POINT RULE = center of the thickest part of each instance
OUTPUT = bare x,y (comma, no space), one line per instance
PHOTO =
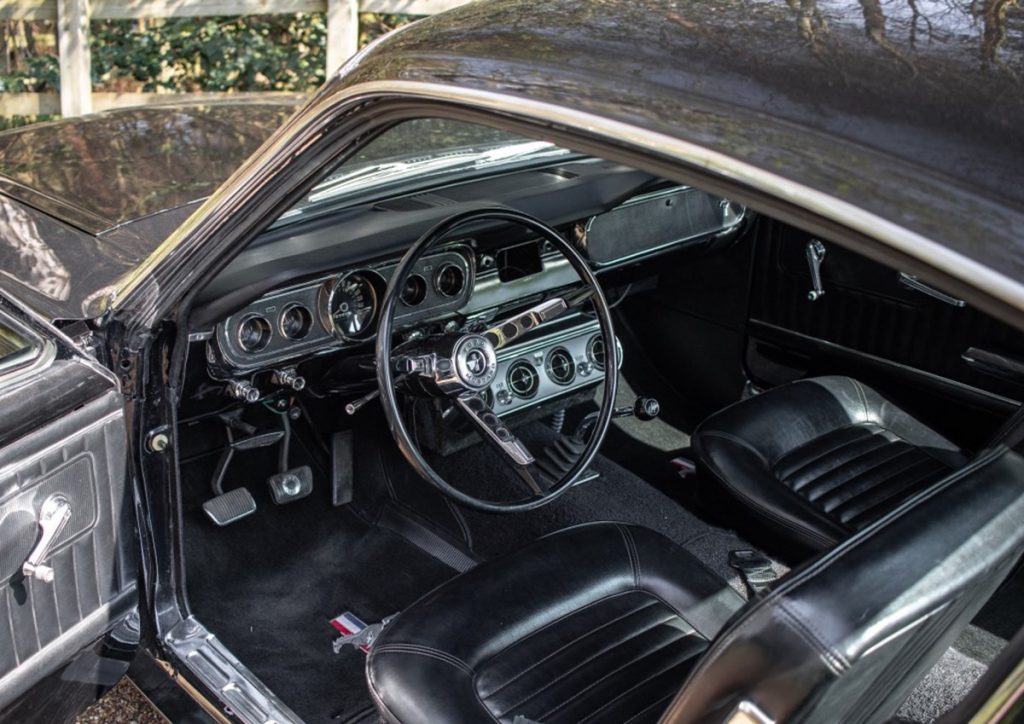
848,636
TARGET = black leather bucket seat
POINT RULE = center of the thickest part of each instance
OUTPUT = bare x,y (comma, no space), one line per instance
817,459
605,622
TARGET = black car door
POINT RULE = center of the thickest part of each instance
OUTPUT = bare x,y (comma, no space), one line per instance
957,368
67,556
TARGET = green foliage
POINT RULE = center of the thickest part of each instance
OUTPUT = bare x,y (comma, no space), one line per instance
41,73
250,53
7,122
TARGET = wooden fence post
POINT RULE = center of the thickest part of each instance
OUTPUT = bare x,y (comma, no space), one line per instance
342,32
75,58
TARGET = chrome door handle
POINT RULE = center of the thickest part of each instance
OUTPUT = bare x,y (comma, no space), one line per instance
53,516
911,282
815,256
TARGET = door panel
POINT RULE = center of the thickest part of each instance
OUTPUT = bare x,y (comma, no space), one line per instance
868,323
75,453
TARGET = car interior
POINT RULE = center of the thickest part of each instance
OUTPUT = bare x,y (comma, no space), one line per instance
589,443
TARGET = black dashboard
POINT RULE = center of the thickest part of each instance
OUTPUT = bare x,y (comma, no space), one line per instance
314,287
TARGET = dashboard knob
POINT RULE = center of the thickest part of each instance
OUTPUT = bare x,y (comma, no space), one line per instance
289,378
242,390
504,397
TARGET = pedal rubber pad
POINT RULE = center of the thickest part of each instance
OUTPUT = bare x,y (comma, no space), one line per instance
230,507
291,485
342,469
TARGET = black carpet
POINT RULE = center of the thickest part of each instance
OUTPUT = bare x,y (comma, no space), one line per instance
617,495
268,585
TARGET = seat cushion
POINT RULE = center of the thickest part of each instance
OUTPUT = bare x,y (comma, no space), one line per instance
821,458
597,623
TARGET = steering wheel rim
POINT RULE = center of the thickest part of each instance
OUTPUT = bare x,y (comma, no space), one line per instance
386,377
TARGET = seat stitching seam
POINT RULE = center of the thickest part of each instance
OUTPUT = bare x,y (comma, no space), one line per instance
887,500
828,453
574,641
809,633
739,441
647,708
631,689
618,670
561,618
772,515
425,651
888,480
863,398
588,660
634,554
867,471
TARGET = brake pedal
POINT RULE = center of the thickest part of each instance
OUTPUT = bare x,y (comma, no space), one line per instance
230,507
291,485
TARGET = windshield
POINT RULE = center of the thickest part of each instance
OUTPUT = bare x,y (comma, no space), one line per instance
416,153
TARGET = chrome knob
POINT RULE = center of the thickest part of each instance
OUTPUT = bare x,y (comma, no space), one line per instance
242,390
289,378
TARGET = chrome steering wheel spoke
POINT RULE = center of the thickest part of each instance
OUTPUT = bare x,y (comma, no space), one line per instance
493,429
520,324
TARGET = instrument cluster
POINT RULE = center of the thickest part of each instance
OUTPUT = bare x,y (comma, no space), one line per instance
339,310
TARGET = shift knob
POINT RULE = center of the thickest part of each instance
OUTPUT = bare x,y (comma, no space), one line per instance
646,408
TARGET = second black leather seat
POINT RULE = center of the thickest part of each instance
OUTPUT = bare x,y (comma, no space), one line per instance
600,623
821,458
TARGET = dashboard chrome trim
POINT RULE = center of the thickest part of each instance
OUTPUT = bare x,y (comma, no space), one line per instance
226,353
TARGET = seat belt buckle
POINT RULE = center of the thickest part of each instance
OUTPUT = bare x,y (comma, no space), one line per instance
755,569
355,633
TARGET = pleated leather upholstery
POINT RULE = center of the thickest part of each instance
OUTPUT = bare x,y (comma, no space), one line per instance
598,623
821,458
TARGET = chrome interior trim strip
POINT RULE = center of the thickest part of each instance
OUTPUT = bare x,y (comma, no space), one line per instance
235,685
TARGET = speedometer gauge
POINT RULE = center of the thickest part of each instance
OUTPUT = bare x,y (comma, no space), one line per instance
353,305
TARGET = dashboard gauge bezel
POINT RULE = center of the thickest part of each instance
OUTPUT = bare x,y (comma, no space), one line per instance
309,321
376,284
266,335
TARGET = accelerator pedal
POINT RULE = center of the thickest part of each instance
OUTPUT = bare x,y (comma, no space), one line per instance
230,507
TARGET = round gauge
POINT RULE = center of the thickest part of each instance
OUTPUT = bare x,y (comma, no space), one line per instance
414,291
353,305
450,280
595,351
560,366
522,379
295,321
254,333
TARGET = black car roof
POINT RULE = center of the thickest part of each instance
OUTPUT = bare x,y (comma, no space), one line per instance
913,112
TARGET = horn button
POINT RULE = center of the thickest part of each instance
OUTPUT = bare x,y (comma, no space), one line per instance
475,361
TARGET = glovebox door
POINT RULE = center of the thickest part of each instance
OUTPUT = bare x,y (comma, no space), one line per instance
67,557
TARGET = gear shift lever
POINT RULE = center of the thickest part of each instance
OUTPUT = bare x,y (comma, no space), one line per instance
643,408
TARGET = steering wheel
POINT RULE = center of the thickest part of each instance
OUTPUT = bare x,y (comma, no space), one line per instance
460,366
